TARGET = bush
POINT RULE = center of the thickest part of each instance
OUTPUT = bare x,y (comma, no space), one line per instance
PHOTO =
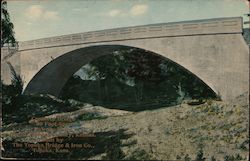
178,157
113,151
140,154
212,158
233,158
11,95
200,156
16,80
244,145
187,158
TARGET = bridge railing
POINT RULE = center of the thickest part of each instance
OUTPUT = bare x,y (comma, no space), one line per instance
211,26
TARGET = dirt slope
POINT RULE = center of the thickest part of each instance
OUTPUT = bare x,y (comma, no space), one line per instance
221,127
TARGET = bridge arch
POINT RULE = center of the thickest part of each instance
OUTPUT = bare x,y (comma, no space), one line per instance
207,48
53,76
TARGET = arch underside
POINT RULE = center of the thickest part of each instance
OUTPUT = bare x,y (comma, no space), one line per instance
53,76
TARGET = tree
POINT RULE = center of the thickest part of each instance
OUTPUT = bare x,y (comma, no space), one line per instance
12,97
7,30
143,66
129,64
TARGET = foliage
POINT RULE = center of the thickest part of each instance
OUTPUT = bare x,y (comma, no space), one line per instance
178,157
7,27
132,65
12,94
36,106
113,151
244,145
200,156
140,154
128,63
246,35
187,158
16,80
20,108
139,77
212,158
233,158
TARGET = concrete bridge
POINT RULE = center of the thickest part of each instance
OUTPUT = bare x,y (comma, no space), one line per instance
214,50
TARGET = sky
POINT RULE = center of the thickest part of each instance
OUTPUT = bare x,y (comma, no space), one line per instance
34,19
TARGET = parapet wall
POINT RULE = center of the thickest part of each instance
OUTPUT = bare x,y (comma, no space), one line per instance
198,27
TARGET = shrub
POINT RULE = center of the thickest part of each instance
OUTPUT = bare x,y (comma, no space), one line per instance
12,98
178,157
16,80
140,154
187,158
233,158
212,158
244,145
114,152
199,156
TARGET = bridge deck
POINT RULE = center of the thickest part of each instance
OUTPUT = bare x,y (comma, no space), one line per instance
185,28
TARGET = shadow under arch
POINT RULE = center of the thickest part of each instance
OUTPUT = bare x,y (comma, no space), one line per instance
53,76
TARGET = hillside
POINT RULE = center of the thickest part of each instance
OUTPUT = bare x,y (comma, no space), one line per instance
221,128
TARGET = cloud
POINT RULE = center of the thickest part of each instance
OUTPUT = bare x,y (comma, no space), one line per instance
139,9
136,10
34,12
114,13
37,12
51,15
28,23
